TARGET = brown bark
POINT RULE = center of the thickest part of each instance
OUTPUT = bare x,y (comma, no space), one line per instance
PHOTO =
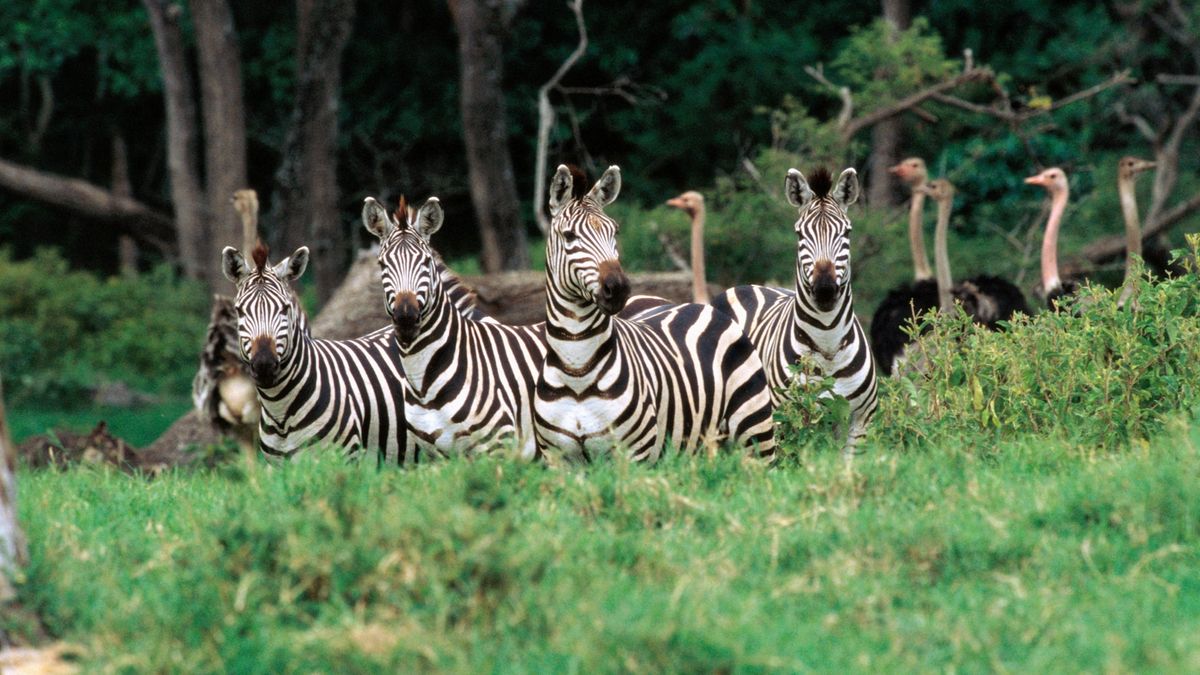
12,542
308,173
886,136
182,163
481,25
224,126
127,250
84,198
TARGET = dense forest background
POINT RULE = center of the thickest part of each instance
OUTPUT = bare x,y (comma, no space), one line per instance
128,125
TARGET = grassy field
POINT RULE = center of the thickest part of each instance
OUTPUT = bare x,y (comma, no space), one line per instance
1043,556
1030,503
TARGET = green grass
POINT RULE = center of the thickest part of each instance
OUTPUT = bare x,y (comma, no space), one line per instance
137,426
1030,555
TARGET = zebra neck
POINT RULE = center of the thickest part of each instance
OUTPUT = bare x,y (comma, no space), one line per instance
825,331
293,396
576,333
442,328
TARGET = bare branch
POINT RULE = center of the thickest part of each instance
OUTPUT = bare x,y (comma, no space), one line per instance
1187,80
1140,123
1006,114
546,116
84,198
847,111
857,124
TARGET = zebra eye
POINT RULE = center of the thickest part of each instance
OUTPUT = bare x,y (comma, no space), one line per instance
569,236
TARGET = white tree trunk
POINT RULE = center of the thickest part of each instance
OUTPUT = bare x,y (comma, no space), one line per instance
12,542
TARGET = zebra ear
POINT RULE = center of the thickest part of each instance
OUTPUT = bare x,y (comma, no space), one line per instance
293,266
608,187
846,190
233,264
429,218
375,218
560,188
797,190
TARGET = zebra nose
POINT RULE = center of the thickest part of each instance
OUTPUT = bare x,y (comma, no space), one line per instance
264,363
614,287
406,314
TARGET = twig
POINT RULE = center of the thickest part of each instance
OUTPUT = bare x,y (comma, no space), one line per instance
546,116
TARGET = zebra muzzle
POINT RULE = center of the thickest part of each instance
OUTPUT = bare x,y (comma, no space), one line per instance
614,287
264,364
406,315
824,284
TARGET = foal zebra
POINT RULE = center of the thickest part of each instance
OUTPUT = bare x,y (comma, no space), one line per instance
470,383
675,373
816,322
344,392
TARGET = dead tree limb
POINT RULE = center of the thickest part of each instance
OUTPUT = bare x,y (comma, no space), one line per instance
79,196
546,116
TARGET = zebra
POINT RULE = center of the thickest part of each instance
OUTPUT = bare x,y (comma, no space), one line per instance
814,324
344,392
680,374
470,382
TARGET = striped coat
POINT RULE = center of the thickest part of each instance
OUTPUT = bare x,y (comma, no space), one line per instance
673,374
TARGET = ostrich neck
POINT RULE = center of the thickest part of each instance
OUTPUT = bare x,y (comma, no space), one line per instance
1133,228
699,279
916,237
941,257
1050,279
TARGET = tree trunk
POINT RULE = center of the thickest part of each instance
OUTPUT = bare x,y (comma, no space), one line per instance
90,200
127,250
182,164
308,172
887,135
12,542
224,126
481,25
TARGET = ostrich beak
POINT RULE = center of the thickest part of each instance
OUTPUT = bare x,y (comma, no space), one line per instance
1036,180
897,170
677,202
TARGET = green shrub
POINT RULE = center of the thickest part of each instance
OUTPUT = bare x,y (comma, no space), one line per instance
1095,374
62,332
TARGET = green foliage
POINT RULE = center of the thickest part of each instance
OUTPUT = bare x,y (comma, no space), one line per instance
882,65
1094,374
62,332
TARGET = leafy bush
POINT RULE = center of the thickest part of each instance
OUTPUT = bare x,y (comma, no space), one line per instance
1094,373
62,332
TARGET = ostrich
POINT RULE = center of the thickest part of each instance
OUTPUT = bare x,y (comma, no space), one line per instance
1127,171
1054,289
902,303
692,203
987,299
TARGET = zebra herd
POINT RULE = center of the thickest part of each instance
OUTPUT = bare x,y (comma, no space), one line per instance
604,373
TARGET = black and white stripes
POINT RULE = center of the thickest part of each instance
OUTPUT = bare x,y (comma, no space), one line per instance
681,374
470,382
814,325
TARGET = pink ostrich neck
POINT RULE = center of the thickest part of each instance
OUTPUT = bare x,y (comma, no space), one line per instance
916,235
699,281
1058,204
941,257
1133,228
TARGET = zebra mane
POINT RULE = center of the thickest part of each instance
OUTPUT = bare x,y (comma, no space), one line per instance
403,214
259,254
821,183
579,182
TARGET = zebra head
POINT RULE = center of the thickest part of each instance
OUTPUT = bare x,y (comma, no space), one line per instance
407,263
581,248
269,318
823,233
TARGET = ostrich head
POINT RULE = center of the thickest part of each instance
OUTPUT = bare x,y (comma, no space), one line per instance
690,202
1053,179
911,171
1129,167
